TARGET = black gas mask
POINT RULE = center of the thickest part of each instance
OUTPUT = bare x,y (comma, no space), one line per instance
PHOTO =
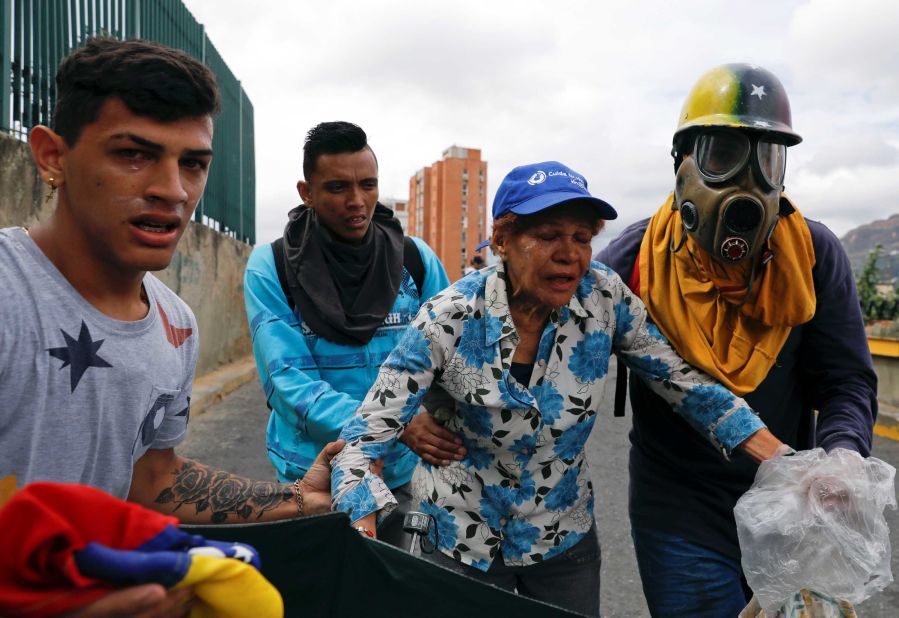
728,190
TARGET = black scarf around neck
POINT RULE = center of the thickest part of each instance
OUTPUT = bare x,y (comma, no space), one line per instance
344,292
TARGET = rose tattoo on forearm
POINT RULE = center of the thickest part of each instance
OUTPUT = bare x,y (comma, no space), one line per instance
222,493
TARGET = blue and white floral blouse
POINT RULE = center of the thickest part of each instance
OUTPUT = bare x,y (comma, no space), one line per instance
523,486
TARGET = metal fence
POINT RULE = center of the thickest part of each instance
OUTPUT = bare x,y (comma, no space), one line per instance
37,34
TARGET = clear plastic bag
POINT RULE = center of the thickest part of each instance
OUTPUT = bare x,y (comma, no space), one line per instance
815,520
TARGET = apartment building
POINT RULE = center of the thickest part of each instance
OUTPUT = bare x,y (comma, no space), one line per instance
448,206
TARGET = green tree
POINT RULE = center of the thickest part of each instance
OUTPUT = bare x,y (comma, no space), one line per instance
875,306
867,283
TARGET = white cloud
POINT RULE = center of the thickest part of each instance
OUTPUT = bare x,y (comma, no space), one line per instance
847,197
853,150
847,48
595,85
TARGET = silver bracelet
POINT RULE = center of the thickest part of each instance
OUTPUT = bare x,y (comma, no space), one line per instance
299,496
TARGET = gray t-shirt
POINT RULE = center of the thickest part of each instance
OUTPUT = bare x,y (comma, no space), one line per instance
83,396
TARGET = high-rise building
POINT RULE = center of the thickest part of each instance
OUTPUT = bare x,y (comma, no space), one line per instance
448,206
400,210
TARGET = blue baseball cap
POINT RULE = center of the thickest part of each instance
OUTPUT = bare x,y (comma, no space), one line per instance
531,188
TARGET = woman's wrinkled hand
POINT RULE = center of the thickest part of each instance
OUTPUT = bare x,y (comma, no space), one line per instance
431,441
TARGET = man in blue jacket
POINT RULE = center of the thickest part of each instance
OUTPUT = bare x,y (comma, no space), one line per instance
760,298
328,302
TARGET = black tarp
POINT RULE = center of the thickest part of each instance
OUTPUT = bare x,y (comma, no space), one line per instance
323,567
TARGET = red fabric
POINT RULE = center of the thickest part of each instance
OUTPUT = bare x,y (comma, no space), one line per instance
634,282
41,528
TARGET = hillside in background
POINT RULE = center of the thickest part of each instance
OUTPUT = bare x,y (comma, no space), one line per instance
859,242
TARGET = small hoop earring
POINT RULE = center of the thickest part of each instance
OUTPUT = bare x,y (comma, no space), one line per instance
52,191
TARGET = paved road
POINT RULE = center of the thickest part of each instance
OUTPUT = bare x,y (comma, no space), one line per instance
231,435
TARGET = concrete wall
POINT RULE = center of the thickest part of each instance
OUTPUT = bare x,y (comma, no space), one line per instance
883,339
887,370
22,192
206,271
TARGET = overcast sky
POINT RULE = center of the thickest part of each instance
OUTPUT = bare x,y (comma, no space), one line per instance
597,85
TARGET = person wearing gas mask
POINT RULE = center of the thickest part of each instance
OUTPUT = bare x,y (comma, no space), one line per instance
747,289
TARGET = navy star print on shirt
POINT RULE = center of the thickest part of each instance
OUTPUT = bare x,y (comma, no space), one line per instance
80,354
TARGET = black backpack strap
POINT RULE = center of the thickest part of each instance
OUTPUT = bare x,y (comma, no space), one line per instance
414,264
621,378
278,251
620,387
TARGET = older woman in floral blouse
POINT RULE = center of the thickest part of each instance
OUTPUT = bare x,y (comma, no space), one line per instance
523,348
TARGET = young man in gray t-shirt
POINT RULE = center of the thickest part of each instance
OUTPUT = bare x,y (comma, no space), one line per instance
97,356
86,395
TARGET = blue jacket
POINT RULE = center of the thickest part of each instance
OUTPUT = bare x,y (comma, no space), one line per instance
313,385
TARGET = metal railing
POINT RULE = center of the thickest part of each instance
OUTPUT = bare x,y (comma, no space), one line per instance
37,35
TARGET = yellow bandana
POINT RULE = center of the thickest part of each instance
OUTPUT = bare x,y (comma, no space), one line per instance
695,300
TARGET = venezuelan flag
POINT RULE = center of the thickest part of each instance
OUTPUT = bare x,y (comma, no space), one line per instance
65,546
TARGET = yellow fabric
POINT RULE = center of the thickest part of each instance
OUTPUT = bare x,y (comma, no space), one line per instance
229,588
695,300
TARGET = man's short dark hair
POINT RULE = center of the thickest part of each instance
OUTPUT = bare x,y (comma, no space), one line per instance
151,79
331,138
